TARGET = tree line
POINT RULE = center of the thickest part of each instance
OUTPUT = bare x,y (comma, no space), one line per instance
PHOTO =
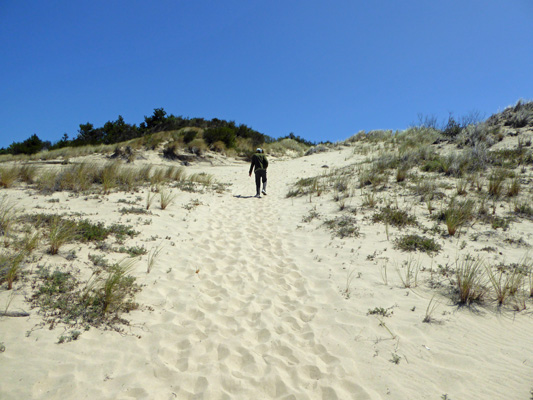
119,131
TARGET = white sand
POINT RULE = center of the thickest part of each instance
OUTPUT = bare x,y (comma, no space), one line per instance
247,304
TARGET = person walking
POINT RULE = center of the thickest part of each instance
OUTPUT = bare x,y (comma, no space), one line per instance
260,164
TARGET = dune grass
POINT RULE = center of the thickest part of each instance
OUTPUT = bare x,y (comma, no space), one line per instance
408,272
10,265
61,232
504,284
166,198
469,280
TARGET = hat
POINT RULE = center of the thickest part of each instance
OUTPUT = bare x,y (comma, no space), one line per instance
259,150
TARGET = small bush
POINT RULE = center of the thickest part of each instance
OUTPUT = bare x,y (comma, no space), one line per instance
394,217
92,232
62,298
197,147
222,134
189,136
345,226
417,243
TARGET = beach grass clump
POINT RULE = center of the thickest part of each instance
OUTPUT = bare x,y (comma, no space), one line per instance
524,208
77,178
372,177
8,176
496,181
505,283
201,178
152,257
127,178
174,173
394,216
457,214
114,293
144,173
7,215
469,280
10,265
46,181
461,187
109,176
344,226
166,198
158,176
513,188
408,272
417,243
437,164
29,242
370,199
304,186
61,232
401,173
27,173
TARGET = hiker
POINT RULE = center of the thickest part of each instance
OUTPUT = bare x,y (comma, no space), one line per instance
260,163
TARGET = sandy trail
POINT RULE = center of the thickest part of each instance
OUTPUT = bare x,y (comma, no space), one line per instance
245,302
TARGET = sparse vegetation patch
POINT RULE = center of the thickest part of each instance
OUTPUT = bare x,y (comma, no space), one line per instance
417,243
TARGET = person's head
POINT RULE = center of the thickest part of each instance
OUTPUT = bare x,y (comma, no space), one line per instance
259,150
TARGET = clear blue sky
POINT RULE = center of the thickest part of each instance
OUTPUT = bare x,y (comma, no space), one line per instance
321,69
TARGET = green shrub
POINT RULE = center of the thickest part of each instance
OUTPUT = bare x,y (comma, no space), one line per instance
345,226
62,298
189,136
92,232
417,242
223,134
394,217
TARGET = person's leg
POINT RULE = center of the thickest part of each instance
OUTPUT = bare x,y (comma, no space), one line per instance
257,183
264,182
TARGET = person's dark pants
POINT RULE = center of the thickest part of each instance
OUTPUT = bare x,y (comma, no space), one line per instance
260,175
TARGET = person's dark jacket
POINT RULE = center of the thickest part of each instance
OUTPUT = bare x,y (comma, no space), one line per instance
259,162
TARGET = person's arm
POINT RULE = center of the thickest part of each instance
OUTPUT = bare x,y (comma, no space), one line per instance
266,162
251,166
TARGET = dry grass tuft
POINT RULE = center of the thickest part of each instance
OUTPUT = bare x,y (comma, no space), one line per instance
469,281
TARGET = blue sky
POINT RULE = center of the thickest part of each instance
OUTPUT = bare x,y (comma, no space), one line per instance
321,69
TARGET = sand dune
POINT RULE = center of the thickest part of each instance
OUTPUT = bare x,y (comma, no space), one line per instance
247,301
